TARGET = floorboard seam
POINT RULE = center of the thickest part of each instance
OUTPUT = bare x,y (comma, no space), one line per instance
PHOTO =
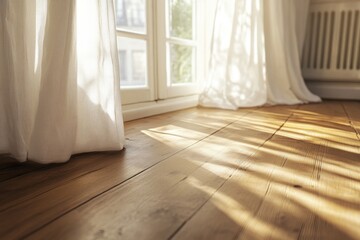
351,122
135,175
202,205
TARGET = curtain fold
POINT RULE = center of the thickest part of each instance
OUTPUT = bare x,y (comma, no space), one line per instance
59,82
255,60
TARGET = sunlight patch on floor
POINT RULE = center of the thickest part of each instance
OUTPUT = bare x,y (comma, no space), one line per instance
240,214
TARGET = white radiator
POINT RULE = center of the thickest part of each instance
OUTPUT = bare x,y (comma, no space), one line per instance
332,45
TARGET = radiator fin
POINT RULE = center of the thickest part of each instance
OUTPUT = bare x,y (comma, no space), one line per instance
332,45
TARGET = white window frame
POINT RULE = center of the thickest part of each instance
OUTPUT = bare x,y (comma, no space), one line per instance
147,93
157,39
166,88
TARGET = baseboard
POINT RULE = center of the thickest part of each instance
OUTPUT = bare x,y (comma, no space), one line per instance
141,110
335,90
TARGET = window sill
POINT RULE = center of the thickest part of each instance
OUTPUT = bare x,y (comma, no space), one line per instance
141,110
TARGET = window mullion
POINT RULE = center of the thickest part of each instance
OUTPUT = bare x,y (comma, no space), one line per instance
131,35
186,42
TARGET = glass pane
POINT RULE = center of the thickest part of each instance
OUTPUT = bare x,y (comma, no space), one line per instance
131,15
133,62
182,64
181,18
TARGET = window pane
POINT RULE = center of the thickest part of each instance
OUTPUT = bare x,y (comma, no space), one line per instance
182,64
131,15
181,18
123,66
133,63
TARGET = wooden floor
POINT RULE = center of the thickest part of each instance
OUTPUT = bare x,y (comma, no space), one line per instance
287,172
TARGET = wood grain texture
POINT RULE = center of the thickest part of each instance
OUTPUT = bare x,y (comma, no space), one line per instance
285,172
57,193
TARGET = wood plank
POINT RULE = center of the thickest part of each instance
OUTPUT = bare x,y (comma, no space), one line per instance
202,174
334,201
33,184
6,161
236,206
245,206
10,168
297,175
159,201
304,207
156,139
16,169
352,110
330,134
17,190
282,206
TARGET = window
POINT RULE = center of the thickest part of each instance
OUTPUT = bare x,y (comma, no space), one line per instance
182,37
135,43
131,15
133,69
139,67
181,42
160,47
123,67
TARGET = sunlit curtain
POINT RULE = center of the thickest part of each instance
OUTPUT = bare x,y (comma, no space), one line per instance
59,79
256,52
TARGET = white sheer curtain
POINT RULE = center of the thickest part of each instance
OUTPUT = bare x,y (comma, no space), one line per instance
59,79
256,52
